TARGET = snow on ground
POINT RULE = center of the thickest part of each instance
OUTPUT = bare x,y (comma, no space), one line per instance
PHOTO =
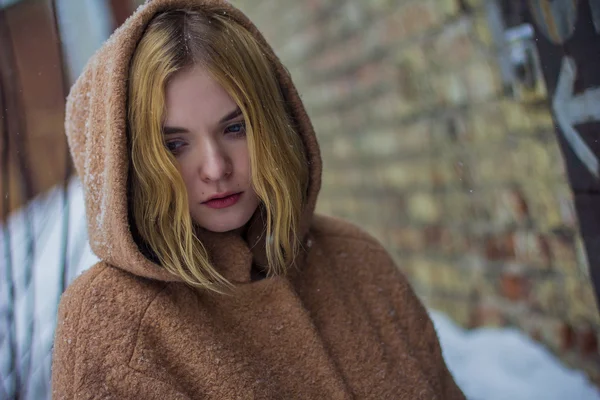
505,364
488,364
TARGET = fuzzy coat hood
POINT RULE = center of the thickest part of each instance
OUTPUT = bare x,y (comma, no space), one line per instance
96,129
343,325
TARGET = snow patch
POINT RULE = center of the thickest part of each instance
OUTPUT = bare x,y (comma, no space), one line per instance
503,364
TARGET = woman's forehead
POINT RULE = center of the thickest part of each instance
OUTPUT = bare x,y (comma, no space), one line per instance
193,95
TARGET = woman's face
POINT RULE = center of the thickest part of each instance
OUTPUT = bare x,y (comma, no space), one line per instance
204,129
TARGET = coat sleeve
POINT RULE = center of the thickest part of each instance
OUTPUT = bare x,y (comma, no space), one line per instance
73,377
412,319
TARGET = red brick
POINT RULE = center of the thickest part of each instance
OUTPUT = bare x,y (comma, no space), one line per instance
453,46
587,342
562,250
407,238
417,17
462,171
567,337
487,315
536,335
514,287
515,200
501,247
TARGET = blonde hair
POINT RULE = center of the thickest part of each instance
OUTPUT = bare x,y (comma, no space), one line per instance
179,39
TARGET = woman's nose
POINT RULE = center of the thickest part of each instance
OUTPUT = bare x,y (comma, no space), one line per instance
215,164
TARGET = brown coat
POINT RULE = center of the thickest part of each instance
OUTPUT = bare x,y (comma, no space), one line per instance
343,324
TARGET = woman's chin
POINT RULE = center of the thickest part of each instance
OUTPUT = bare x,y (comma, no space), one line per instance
227,219
235,224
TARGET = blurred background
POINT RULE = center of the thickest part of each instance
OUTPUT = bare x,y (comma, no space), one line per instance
463,134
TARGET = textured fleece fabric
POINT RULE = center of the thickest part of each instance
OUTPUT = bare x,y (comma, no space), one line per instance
342,324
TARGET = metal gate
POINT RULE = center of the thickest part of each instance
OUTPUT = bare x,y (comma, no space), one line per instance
567,35
41,207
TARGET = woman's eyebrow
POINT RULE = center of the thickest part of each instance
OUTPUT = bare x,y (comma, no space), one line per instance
172,130
235,113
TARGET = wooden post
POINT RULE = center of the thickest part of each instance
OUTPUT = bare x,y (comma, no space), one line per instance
121,10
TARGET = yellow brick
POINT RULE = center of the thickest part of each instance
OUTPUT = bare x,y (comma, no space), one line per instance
443,173
444,276
475,3
413,55
448,7
396,176
557,168
342,147
544,209
483,81
541,118
493,167
452,46
582,259
423,207
347,178
414,137
324,206
532,158
388,106
417,17
546,293
381,6
563,255
457,207
459,310
580,299
401,175
422,275
517,117
486,123
328,124
450,88
380,143
482,29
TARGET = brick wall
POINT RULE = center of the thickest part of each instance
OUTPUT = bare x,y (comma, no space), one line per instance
423,148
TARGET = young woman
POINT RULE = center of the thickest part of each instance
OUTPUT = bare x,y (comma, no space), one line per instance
201,172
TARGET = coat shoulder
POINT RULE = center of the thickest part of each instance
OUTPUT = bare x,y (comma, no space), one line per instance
98,323
354,252
102,303
101,283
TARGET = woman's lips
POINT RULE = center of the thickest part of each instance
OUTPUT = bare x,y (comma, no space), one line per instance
223,202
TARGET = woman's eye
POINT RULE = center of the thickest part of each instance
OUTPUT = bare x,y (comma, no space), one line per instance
238,129
174,146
